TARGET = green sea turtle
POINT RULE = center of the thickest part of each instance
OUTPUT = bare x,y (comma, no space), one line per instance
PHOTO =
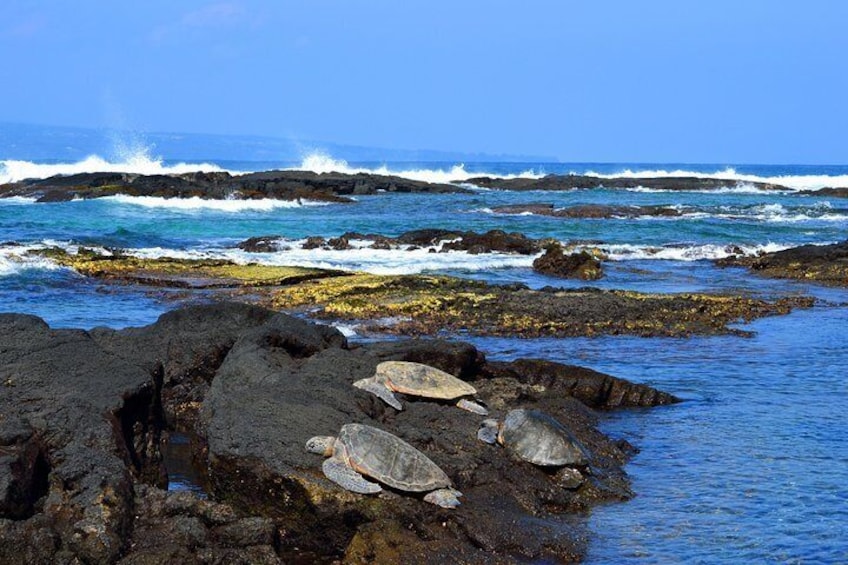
535,437
363,450
417,379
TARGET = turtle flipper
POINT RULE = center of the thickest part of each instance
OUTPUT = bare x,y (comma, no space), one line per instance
488,431
379,390
444,497
343,475
472,406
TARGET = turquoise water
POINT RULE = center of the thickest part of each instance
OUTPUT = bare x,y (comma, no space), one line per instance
752,467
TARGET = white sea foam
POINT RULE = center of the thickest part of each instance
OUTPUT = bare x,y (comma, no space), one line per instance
742,182
360,258
14,260
323,163
626,252
17,201
777,213
197,203
139,163
737,182
347,330
741,188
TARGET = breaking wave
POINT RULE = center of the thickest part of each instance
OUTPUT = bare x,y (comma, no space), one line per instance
140,160
323,163
625,252
401,261
742,182
197,203
14,259
139,163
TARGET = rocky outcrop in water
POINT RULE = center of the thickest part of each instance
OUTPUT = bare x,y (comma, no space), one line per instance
83,416
571,182
281,185
827,264
832,192
427,305
582,265
492,241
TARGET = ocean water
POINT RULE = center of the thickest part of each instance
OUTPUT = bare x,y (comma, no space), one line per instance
752,467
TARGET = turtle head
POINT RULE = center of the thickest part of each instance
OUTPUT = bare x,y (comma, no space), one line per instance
488,431
322,445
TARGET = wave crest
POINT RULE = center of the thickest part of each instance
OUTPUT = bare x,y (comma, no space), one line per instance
197,203
141,163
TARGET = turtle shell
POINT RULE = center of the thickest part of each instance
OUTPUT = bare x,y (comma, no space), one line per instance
390,460
418,379
540,439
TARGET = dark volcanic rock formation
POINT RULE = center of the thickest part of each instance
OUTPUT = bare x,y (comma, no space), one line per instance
428,305
837,192
826,264
570,182
555,262
283,185
493,241
83,414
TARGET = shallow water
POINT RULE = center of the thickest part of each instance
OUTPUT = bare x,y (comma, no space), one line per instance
183,474
751,467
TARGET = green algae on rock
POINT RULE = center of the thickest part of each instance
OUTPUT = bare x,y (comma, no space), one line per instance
427,305
182,273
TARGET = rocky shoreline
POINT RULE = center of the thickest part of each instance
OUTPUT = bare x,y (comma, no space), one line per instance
572,182
825,264
85,415
342,187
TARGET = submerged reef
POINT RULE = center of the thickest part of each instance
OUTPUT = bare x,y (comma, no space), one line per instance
85,415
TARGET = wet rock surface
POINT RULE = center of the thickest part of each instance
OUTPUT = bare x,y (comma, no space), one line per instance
827,264
581,265
427,305
571,182
282,185
83,414
832,192
443,241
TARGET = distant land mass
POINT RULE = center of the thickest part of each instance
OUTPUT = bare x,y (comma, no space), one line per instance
31,142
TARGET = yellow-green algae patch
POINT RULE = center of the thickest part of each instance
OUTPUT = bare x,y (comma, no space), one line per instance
419,305
193,273
430,304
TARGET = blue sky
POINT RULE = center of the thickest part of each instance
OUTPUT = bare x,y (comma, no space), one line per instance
658,81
